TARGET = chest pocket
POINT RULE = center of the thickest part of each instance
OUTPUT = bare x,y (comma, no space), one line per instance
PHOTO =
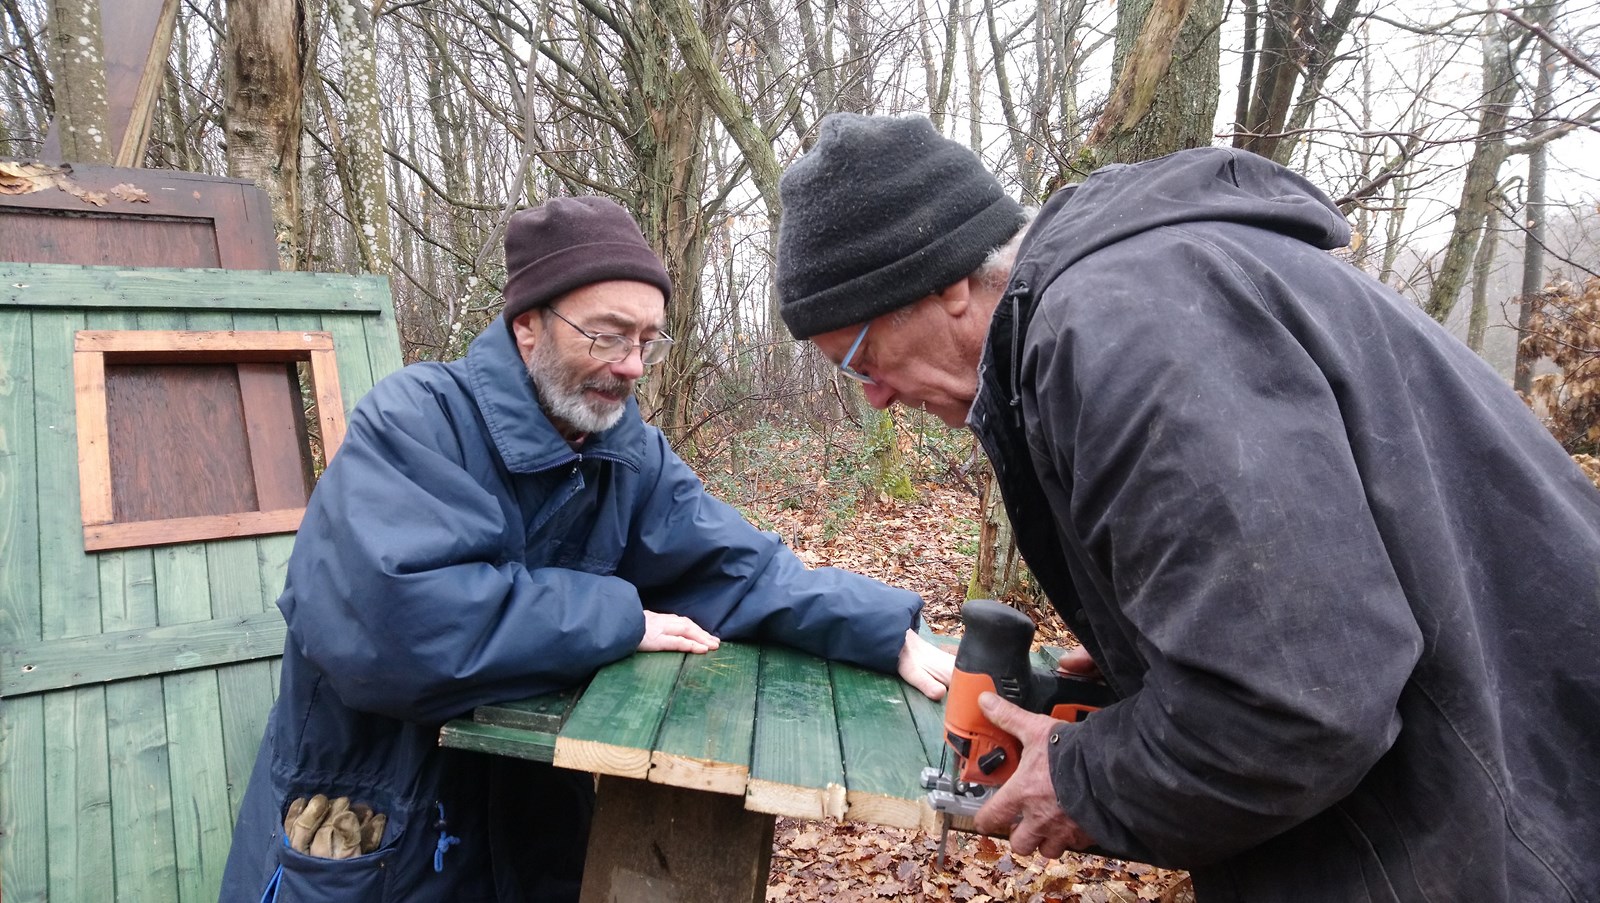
575,522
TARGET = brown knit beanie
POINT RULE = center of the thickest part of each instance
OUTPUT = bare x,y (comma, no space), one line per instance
567,243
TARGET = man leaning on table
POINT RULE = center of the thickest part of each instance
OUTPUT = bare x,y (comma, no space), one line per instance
494,528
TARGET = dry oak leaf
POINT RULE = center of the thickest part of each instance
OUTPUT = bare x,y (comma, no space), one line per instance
26,178
130,193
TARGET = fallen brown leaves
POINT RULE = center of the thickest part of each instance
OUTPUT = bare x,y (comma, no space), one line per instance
927,545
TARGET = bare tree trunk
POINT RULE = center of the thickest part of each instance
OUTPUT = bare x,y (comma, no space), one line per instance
1534,219
1159,106
78,72
363,140
264,57
1499,87
1322,49
1478,319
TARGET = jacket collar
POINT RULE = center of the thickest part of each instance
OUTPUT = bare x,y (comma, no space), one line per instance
525,438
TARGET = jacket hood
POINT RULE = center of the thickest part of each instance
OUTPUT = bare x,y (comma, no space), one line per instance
524,437
1210,184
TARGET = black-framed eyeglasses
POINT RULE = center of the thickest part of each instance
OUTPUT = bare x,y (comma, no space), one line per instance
844,365
614,349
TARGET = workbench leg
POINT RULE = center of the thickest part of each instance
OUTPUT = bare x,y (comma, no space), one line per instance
652,843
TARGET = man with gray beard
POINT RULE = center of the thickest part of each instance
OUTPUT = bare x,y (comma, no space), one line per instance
498,527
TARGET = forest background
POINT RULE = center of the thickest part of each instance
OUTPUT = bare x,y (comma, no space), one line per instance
397,137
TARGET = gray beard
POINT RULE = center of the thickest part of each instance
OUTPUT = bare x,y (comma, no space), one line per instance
564,401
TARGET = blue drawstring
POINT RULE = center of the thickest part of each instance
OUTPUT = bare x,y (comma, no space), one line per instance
270,895
446,841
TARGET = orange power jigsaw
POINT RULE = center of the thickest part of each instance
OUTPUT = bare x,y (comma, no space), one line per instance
995,655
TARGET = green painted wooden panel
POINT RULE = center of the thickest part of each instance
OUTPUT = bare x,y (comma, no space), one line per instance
797,738
24,861
57,664
70,597
245,694
623,706
499,740
142,835
356,374
713,711
19,499
883,752
78,790
541,713
62,286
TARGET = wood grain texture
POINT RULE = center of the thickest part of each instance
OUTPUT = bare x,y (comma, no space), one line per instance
545,714
183,343
882,749
706,736
142,838
86,287
190,529
499,740
796,768
94,447
24,859
19,489
613,728
67,595
78,787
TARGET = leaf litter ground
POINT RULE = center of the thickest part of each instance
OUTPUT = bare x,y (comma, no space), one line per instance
926,545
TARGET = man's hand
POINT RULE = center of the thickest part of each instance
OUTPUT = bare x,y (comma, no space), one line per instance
674,633
1077,661
1026,804
925,666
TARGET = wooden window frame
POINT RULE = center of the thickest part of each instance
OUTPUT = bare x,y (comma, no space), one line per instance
91,349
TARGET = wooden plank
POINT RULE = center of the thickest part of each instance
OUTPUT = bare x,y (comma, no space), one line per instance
352,370
795,767
330,401
710,725
278,459
613,728
383,340
94,447
100,537
69,597
676,846
24,835
19,491
78,787
142,839
228,343
499,740
121,654
195,756
545,713
66,286
883,752
244,691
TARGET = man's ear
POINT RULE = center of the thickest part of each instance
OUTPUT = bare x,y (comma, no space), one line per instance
955,298
527,329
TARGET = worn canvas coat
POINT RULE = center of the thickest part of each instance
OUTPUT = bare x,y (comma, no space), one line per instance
458,552
1346,584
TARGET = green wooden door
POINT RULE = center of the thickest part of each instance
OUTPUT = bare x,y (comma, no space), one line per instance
135,684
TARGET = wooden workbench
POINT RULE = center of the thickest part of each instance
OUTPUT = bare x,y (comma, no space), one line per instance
698,753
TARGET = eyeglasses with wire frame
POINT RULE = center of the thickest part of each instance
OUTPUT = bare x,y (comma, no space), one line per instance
614,349
844,365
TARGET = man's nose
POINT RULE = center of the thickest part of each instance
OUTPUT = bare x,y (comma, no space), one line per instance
631,367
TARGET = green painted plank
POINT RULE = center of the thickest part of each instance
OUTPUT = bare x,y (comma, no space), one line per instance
245,691
383,340
62,286
795,767
709,727
78,795
139,652
350,351
498,740
544,713
613,728
929,718
201,814
24,857
69,598
19,499
883,751
141,792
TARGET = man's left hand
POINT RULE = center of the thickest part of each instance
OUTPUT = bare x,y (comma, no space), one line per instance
1026,803
925,666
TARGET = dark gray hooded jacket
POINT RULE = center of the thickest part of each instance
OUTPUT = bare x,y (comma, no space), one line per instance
1345,583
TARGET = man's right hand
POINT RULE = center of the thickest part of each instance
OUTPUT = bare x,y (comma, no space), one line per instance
674,633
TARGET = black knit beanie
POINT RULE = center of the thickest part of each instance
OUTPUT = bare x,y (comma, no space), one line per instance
567,243
882,211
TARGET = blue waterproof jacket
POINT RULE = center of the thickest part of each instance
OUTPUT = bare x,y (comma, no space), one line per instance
1346,583
458,552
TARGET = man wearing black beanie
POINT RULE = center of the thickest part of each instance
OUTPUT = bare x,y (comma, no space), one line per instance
499,527
1342,579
